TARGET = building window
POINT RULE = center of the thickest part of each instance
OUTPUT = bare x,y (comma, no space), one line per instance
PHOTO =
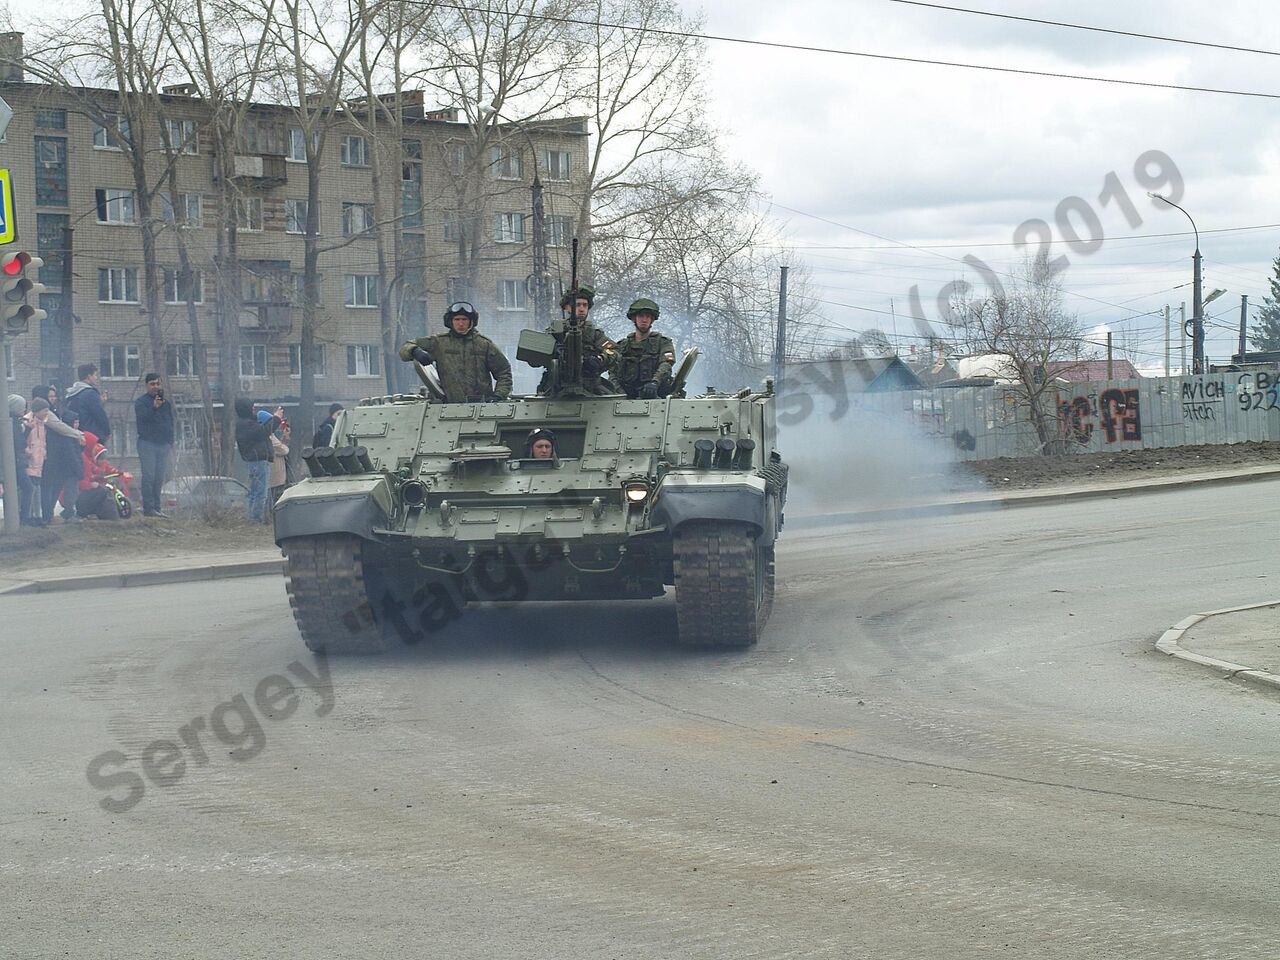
115,206
295,216
355,152
357,219
295,360
51,119
362,289
265,282
411,149
296,150
362,360
181,135
117,284
180,360
113,135
51,171
249,213
188,212
507,163
120,362
455,157
51,241
557,164
253,359
177,288
508,228
411,197
511,295
559,231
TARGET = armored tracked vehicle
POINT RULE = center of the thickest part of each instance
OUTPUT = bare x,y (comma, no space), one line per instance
424,506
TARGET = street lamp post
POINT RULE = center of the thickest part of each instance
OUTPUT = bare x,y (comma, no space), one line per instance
541,268
1197,308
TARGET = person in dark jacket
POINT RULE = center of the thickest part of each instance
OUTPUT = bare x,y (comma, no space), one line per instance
84,403
324,435
63,466
253,440
154,415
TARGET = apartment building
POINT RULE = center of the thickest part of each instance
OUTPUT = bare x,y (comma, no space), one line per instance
76,205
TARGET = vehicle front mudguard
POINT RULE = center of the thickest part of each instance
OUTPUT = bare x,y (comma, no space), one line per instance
320,505
746,499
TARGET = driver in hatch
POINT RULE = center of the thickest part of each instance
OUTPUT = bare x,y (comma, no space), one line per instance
540,445
470,365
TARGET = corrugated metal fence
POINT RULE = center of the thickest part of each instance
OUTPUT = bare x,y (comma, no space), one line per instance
980,423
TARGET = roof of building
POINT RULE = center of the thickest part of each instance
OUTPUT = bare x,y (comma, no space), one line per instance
1077,371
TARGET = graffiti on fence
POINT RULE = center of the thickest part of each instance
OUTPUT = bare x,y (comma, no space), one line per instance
1202,399
1257,391
1117,411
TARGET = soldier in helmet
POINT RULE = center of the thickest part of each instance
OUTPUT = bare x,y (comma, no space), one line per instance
540,445
598,351
470,365
645,357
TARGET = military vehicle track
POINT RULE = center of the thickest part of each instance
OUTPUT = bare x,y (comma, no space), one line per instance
718,567
325,578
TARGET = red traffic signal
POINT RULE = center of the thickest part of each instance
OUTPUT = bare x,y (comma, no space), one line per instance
15,263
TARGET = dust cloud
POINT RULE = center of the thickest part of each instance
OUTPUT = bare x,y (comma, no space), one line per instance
853,451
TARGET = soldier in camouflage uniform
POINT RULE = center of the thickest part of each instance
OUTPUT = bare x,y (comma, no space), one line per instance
645,357
470,365
598,351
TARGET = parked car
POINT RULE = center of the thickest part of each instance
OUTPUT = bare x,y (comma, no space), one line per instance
203,493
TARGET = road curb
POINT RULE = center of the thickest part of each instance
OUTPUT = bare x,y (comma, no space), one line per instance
988,504
149,578
1170,643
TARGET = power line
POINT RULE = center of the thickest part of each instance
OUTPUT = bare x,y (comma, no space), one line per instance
805,48
1010,243
1092,29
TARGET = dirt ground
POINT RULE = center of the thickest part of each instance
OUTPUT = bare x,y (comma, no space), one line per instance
1031,472
96,541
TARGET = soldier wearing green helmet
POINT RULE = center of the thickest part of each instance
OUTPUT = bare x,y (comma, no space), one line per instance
598,351
645,357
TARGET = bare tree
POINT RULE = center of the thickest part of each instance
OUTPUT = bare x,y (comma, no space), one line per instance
306,72
1028,330
221,55
641,90
706,254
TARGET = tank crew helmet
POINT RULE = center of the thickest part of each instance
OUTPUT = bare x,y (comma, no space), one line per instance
643,305
461,306
583,292
539,433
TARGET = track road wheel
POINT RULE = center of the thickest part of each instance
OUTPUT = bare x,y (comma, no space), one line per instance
325,578
724,584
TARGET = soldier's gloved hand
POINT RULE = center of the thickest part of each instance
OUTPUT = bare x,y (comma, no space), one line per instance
649,391
421,356
592,365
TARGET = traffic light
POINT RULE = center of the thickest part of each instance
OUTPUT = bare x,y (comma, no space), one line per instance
19,292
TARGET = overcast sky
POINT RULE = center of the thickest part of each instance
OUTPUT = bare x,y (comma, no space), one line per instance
929,155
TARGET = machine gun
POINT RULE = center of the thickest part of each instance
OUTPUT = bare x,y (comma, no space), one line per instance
559,350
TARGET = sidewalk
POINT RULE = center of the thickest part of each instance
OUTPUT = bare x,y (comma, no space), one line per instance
1242,643
144,572
932,506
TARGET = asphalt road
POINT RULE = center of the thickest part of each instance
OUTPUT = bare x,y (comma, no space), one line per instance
955,741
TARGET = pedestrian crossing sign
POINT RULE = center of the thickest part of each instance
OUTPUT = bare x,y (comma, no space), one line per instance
8,222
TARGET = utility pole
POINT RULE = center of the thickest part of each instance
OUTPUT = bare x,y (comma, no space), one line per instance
66,317
1166,340
1197,317
1182,337
780,346
1244,310
1108,356
542,309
